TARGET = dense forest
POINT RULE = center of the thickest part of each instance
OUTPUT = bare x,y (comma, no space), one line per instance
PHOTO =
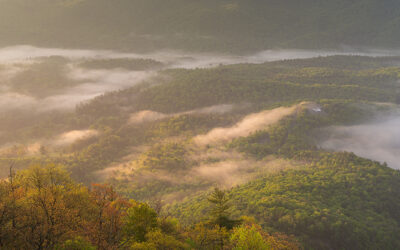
199,124
208,25
227,157
160,149
42,208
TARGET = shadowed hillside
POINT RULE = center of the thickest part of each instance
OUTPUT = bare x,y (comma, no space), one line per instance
201,25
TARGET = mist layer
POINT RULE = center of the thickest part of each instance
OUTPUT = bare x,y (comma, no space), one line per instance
378,141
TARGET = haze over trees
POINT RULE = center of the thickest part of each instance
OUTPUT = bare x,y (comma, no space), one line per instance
166,125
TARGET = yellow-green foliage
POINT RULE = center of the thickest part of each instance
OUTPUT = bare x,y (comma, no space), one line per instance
165,156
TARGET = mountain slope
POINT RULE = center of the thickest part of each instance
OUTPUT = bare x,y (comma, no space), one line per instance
340,202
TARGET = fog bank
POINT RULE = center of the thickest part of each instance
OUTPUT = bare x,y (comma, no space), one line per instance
246,126
378,141
181,59
151,116
70,137
85,84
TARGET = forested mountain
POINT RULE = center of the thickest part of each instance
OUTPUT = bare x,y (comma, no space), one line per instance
224,25
199,124
161,147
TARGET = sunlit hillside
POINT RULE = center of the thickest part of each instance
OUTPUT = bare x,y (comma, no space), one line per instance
210,125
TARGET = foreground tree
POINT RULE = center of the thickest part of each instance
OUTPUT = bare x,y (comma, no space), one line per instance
220,209
106,218
42,208
248,238
140,220
47,208
204,236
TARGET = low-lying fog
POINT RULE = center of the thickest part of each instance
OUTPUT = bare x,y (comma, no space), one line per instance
378,141
181,59
45,79
81,84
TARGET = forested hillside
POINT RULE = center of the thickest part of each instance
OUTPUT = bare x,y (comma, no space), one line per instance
338,202
42,208
200,124
215,158
207,25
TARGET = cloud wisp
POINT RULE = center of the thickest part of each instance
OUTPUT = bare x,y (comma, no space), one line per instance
246,126
146,116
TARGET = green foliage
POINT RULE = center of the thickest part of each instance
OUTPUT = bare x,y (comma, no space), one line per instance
42,208
158,240
39,208
76,244
165,156
140,220
340,201
202,236
248,238
96,156
189,124
220,210
296,134
334,200
269,83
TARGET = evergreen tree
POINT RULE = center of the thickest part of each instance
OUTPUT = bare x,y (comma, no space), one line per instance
220,212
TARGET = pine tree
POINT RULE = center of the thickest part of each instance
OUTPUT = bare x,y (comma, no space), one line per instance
220,212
